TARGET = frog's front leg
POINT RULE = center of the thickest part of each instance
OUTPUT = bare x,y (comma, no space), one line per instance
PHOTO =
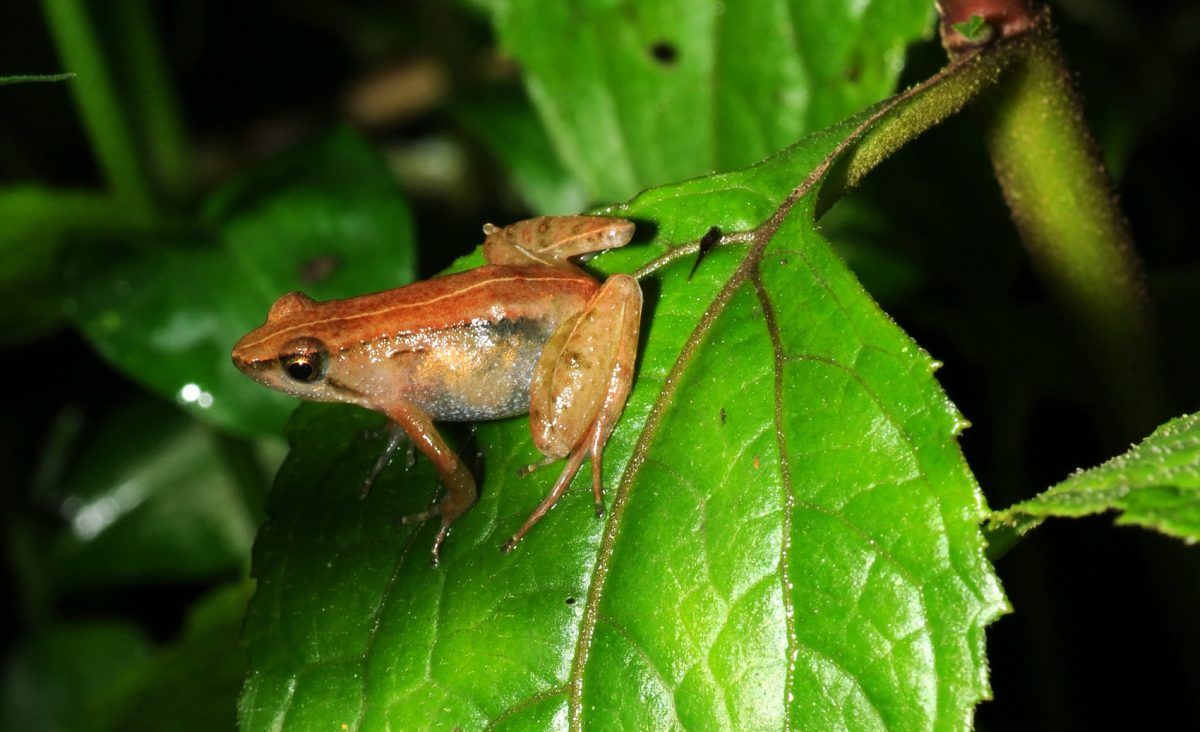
580,385
460,486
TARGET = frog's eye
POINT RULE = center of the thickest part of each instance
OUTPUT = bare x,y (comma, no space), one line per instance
305,360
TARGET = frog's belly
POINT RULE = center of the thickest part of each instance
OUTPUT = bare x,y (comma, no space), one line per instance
476,371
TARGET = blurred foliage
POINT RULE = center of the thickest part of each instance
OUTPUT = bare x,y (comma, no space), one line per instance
233,119
145,506
327,219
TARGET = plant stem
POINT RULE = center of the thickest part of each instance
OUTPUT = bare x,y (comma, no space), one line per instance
34,78
1067,215
153,102
96,95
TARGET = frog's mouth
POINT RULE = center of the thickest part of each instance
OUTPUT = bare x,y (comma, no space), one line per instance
252,364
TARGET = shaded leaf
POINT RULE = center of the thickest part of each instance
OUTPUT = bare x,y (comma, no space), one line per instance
327,219
1156,485
151,498
792,537
103,676
35,224
52,677
190,684
509,128
638,94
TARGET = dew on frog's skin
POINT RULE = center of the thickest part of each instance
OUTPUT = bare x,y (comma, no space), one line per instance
193,394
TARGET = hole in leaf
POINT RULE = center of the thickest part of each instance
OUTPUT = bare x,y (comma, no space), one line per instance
570,600
665,53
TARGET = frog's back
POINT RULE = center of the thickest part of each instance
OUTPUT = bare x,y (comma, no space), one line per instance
488,294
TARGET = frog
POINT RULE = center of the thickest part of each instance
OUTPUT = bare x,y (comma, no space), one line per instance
529,332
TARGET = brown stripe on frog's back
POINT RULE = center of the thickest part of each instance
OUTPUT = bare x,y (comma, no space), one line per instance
487,294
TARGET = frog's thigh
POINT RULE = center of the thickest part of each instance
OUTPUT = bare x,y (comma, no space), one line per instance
579,364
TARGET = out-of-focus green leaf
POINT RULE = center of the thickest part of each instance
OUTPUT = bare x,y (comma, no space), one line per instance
35,223
191,684
327,219
53,676
510,129
1156,485
638,94
792,538
151,498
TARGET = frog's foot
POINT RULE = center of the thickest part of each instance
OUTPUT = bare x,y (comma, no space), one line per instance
421,517
574,461
395,437
530,469
460,486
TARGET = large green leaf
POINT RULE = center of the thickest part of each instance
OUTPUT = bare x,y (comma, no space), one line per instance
327,219
792,536
1156,484
638,94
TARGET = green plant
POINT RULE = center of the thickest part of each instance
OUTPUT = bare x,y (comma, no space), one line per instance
794,537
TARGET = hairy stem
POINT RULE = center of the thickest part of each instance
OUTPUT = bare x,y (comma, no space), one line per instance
1067,215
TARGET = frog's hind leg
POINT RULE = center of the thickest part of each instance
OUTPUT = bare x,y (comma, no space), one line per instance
553,240
580,385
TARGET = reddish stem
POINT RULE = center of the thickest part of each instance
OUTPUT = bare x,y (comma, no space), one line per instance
1005,18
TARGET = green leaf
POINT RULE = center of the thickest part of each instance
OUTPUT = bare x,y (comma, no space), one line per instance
105,676
975,29
792,537
1156,485
327,219
642,94
145,505
190,684
35,224
508,126
53,676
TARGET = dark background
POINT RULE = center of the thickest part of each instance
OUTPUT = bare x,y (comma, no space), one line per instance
1104,631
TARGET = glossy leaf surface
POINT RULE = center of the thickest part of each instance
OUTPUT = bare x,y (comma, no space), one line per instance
792,536
144,505
639,94
327,219
1156,485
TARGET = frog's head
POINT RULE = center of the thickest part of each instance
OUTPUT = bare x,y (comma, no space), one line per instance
283,353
